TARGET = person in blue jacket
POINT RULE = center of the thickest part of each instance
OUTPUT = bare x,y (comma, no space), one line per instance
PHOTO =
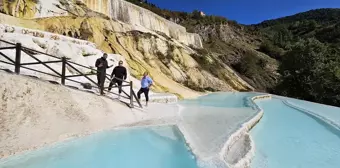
146,83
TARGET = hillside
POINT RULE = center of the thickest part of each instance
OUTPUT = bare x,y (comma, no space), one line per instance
228,43
307,45
322,16
190,53
296,56
321,24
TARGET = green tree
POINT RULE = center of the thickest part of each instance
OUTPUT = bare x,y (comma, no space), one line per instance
273,51
311,71
282,36
250,65
196,14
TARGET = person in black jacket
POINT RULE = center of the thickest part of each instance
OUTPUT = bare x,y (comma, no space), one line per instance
102,65
118,75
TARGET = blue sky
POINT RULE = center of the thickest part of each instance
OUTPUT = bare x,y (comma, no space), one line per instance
247,11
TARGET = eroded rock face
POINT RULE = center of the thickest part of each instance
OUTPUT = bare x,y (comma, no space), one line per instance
224,32
234,44
172,60
129,13
115,9
165,58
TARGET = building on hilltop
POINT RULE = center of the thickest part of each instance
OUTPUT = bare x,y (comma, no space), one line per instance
202,13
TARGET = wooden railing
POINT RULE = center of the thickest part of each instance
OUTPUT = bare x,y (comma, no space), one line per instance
66,63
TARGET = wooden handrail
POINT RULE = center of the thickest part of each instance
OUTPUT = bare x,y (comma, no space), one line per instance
40,72
80,72
7,42
6,62
35,63
2,54
42,63
107,75
17,58
65,62
6,48
72,76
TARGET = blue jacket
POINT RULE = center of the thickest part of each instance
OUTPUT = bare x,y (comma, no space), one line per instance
146,82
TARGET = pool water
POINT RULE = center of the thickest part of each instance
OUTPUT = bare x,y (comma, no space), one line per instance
288,138
330,113
161,147
221,99
284,138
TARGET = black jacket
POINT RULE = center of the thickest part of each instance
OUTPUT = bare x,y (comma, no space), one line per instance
119,72
104,62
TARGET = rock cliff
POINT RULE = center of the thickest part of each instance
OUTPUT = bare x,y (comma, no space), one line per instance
115,9
166,59
174,65
135,15
238,47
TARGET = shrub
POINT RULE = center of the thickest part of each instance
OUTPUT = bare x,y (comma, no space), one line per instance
271,50
311,71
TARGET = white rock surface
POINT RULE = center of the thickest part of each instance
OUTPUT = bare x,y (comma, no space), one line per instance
126,12
132,14
52,113
34,113
209,131
79,51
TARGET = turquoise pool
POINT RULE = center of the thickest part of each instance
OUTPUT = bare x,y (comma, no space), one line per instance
284,138
221,99
287,138
330,113
161,147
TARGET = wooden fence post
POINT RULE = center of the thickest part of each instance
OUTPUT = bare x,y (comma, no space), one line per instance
131,94
63,70
17,57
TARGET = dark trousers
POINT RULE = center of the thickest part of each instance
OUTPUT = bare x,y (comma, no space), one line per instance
145,91
101,80
118,82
